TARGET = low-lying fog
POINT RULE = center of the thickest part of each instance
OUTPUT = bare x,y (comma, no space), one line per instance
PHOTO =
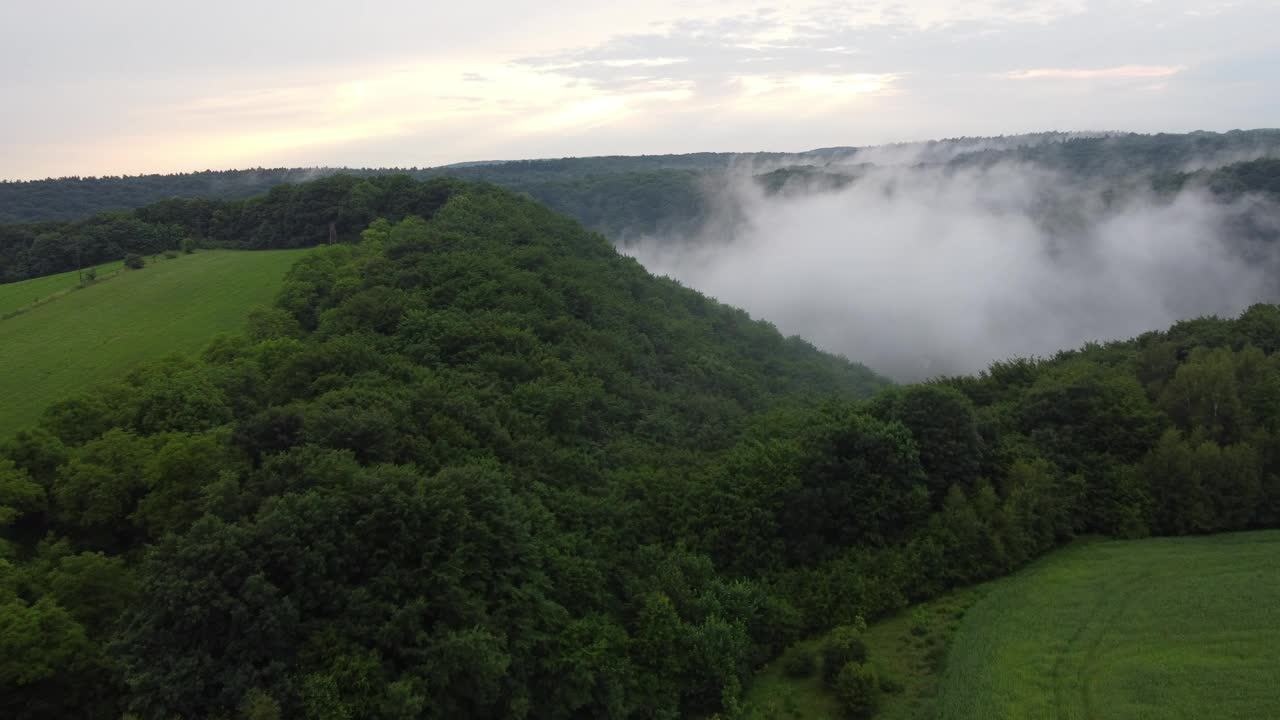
916,272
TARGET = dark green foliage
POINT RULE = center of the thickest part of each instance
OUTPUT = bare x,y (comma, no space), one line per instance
857,688
481,465
843,646
863,486
134,261
889,685
944,425
288,216
396,492
799,664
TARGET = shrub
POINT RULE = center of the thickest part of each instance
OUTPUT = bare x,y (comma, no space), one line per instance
858,691
890,684
799,664
134,261
258,705
921,622
188,245
844,645
169,254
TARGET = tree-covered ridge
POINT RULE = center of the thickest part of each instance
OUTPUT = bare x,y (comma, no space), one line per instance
481,465
674,203
1090,155
74,198
1260,176
288,216
622,197
1126,154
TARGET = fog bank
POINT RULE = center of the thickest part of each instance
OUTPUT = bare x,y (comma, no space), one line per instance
918,272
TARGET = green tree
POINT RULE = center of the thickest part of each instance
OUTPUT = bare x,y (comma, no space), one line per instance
944,425
1181,504
857,688
862,483
1204,394
844,645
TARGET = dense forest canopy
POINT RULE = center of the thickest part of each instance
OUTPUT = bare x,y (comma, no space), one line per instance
478,464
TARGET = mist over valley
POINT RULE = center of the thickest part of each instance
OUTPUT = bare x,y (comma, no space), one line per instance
922,270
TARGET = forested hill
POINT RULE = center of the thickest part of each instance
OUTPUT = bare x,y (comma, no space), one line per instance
481,465
410,491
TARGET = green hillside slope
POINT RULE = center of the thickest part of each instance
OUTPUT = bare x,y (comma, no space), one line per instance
1164,628
18,295
98,333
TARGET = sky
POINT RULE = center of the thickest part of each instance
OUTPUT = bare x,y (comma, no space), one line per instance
140,86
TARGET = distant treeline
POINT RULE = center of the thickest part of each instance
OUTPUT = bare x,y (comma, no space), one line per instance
290,215
481,465
75,198
622,197
1121,155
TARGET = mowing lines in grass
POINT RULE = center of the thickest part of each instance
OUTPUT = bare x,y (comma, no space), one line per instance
1162,628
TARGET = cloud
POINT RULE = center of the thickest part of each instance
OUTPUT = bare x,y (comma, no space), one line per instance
269,84
1121,72
919,272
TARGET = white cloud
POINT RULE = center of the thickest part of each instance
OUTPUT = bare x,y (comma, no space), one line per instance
1121,72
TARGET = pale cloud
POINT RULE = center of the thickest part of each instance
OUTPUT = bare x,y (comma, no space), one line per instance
644,62
1122,72
803,94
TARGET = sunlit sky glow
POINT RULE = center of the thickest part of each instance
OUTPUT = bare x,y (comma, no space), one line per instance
133,86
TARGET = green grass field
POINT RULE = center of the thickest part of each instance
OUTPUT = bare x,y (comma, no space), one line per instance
15,296
1160,628
775,696
98,333
908,648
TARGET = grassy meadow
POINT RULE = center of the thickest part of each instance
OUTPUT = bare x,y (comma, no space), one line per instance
19,295
97,333
1167,628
